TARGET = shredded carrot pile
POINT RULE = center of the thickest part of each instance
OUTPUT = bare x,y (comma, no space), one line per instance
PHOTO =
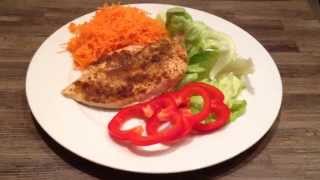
113,27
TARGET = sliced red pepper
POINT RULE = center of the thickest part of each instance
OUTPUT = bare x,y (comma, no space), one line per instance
182,99
156,121
161,116
143,111
124,115
214,92
164,101
175,108
173,132
186,93
222,114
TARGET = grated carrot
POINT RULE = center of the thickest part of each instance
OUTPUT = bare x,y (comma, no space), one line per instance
113,27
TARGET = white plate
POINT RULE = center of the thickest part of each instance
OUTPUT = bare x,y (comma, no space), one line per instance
82,130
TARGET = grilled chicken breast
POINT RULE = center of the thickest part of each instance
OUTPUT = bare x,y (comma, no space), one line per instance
130,75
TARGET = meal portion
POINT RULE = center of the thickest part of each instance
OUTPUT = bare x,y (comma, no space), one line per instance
177,74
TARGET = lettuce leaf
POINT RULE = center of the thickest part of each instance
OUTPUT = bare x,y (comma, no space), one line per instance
212,59
189,77
238,108
231,86
177,19
212,50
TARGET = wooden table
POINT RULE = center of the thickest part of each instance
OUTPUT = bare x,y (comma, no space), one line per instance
287,28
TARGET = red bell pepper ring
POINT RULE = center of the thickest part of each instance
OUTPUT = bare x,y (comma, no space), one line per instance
143,111
182,99
124,115
214,92
173,132
222,114
164,101
186,112
186,93
157,120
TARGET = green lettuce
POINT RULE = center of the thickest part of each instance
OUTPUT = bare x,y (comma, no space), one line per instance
231,86
177,19
212,58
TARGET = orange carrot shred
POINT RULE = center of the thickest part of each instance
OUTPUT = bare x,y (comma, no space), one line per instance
113,27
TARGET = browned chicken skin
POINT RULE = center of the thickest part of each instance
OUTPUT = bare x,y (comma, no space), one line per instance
131,75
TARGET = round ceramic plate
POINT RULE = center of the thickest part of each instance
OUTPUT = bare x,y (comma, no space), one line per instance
82,130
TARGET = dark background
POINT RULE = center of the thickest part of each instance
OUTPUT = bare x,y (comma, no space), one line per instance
287,28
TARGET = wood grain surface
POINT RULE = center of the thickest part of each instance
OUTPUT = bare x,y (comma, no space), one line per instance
287,28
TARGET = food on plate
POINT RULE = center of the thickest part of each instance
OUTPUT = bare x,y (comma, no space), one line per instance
173,107
169,69
113,27
131,75
208,96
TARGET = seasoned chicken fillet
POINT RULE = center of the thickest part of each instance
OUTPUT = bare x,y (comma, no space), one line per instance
130,75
